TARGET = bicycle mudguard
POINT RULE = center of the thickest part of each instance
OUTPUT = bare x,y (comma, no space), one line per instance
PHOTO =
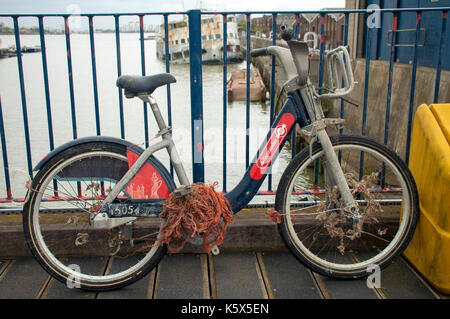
152,181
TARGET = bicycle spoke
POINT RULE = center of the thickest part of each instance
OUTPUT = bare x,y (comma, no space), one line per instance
323,232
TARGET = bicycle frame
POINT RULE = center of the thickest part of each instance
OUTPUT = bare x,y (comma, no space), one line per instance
292,112
301,107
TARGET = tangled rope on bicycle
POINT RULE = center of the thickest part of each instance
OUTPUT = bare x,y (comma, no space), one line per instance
203,213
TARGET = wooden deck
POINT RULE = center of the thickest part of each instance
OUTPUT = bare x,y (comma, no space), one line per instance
230,275
253,264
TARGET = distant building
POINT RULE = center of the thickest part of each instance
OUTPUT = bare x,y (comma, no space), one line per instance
307,23
133,26
334,25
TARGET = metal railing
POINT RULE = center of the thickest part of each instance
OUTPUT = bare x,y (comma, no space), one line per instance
196,96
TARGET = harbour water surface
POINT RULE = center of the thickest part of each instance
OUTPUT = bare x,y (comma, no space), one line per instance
105,54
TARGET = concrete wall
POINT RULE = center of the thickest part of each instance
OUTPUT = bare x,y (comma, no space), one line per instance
400,100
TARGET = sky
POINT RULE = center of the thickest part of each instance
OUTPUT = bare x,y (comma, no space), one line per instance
96,6
137,6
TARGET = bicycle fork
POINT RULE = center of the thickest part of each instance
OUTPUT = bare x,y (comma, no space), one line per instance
318,130
336,173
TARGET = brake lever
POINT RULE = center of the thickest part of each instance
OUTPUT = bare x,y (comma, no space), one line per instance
349,102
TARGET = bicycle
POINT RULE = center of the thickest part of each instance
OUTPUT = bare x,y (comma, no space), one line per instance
338,222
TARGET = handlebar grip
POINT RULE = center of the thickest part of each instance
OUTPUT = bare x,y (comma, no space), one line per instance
258,52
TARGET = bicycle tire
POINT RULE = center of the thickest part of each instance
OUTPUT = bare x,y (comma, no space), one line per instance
89,159
318,239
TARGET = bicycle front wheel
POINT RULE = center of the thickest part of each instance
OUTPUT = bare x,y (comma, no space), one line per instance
326,237
64,197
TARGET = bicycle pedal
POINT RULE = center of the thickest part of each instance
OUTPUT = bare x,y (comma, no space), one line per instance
215,250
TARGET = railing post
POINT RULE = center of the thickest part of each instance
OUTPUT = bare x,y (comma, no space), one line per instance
167,61
23,95
225,96
119,73
144,106
413,85
4,154
70,75
46,86
247,94
440,55
94,74
272,86
195,59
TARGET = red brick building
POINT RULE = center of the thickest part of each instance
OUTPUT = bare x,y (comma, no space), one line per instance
307,22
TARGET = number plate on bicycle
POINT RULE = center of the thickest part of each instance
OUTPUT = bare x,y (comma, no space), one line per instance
146,209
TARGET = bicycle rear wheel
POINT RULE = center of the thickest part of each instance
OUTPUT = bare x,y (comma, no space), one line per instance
65,195
330,240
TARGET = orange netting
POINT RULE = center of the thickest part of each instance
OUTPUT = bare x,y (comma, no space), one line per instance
204,213
275,216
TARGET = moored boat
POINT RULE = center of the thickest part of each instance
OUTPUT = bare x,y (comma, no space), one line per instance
237,86
212,40
26,49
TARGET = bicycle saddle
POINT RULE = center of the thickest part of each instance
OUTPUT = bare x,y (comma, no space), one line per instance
137,84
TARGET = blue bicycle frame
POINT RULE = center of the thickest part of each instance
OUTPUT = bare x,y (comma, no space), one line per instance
292,112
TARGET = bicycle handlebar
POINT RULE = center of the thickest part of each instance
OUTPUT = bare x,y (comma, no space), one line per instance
286,34
258,52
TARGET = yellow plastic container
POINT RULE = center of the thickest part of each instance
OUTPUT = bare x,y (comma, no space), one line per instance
429,250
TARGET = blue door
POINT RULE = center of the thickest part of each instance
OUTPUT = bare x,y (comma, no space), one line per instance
429,36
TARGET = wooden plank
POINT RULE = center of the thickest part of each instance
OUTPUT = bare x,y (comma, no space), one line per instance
346,288
180,277
324,294
140,289
207,294
263,277
212,276
155,288
236,276
4,267
400,281
59,290
23,280
289,279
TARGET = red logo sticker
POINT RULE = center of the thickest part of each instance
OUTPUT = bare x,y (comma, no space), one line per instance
272,146
147,183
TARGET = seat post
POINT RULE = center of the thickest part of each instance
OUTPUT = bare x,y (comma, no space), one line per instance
166,133
155,109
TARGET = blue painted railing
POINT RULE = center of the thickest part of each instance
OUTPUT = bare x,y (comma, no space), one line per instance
196,79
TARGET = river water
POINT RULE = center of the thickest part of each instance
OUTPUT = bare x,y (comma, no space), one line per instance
105,51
